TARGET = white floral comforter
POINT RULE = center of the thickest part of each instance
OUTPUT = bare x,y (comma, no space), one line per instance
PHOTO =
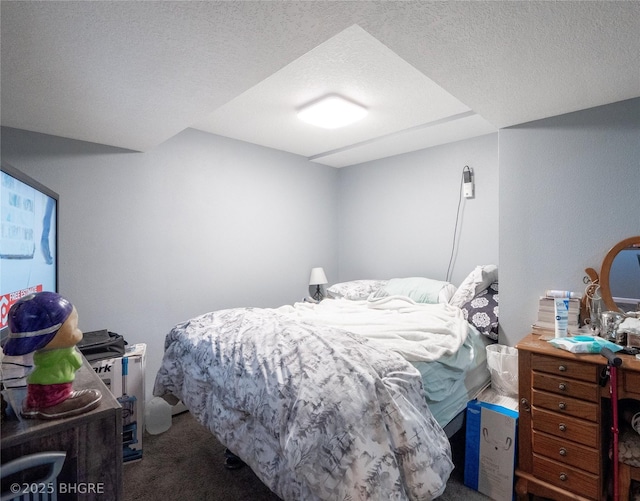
419,332
315,411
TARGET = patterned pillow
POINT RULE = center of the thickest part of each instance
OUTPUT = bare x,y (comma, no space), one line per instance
478,280
355,289
482,312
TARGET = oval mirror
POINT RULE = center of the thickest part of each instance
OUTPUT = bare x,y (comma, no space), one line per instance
620,276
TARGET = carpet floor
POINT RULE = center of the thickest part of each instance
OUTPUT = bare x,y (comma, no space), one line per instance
187,463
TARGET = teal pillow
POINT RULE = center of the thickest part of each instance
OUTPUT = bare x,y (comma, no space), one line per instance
421,290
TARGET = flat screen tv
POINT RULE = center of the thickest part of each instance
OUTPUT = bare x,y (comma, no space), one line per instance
29,239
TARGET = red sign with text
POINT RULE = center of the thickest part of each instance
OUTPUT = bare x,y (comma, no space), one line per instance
8,299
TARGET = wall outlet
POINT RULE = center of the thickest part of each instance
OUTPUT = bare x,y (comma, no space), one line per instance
467,190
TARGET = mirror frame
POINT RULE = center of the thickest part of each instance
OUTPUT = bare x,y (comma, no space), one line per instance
605,271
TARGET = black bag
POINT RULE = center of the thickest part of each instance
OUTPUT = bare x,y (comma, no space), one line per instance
99,345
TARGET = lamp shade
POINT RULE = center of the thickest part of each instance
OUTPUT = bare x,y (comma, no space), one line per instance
317,277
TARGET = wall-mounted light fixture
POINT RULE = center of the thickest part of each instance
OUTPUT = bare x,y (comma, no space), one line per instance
331,112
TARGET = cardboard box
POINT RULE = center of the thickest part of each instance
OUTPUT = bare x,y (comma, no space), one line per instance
491,449
124,376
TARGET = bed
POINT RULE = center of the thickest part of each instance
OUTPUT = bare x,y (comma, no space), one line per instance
345,399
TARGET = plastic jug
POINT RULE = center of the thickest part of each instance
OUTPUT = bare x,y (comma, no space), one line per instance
158,416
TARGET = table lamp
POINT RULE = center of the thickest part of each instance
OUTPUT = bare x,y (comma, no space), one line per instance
317,278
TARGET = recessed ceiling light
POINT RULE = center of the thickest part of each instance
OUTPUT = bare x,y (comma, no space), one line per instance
331,112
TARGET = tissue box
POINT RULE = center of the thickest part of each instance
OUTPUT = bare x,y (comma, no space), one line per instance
491,449
124,376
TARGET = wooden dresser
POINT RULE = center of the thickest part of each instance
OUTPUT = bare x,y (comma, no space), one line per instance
565,420
92,441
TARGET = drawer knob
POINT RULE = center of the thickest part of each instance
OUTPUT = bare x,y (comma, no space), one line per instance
562,386
563,451
562,406
563,477
562,427
562,368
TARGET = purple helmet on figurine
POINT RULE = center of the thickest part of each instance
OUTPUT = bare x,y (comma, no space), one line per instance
34,320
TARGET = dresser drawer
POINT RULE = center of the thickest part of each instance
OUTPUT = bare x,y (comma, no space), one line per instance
565,386
566,477
567,452
566,405
566,427
566,368
631,381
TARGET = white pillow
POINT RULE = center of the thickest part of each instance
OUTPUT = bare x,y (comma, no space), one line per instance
446,293
355,289
477,281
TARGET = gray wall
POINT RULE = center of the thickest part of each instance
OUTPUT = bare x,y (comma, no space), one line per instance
569,191
398,214
201,222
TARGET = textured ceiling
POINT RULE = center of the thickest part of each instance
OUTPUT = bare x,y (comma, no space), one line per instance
134,74
356,65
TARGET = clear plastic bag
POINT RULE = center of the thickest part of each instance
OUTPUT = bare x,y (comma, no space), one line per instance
502,362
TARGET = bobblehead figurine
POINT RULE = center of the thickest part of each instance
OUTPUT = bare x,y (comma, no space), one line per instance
47,324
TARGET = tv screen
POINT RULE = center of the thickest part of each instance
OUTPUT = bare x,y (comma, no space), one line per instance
29,239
